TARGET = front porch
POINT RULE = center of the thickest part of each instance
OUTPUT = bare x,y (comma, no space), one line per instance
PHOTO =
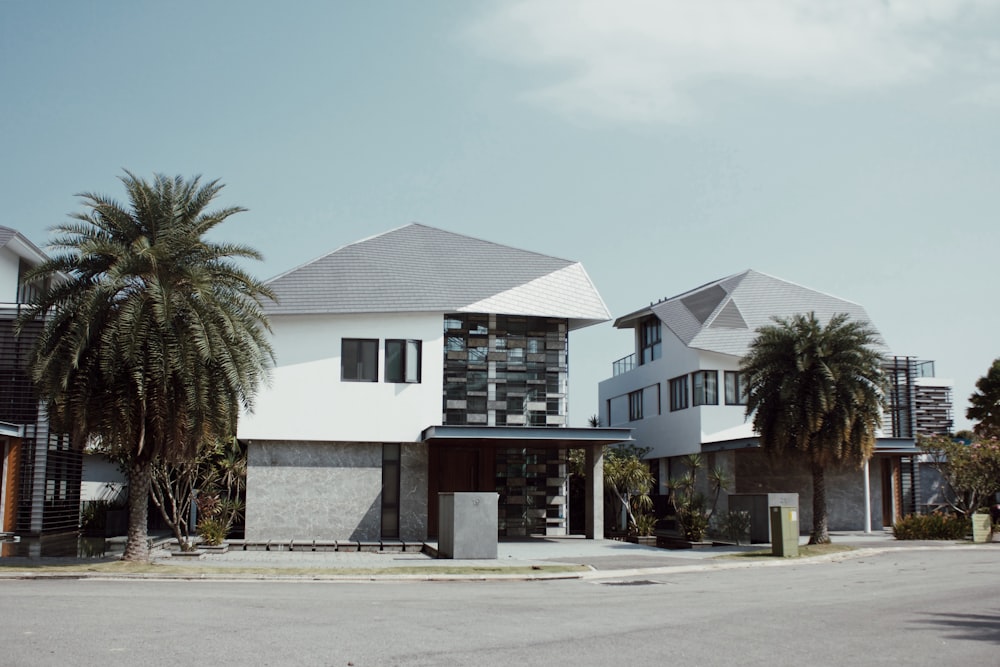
527,466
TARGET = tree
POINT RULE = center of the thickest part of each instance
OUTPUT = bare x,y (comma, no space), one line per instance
628,477
816,393
971,472
985,404
153,337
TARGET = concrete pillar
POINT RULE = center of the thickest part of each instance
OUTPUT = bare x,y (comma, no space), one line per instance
594,468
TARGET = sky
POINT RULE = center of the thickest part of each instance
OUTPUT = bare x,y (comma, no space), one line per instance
850,146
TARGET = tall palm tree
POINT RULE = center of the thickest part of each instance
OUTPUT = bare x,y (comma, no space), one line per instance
154,337
816,392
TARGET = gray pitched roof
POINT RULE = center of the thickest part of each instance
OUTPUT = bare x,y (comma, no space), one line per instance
417,268
723,315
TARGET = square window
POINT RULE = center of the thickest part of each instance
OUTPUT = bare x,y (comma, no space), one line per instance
359,360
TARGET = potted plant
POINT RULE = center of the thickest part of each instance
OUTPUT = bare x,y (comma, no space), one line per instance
982,526
642,528
213,527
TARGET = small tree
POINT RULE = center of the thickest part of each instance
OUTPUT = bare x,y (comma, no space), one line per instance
628,478
984,404
971,473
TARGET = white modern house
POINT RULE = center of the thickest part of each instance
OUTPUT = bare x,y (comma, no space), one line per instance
682,393
415,362
39,470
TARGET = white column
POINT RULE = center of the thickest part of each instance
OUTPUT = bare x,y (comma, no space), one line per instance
868,499
594,467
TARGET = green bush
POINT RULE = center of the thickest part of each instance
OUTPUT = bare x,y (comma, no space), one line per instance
936,526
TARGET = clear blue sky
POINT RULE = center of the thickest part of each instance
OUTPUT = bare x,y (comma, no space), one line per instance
851,146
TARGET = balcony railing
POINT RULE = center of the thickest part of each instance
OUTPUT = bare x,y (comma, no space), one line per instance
623,365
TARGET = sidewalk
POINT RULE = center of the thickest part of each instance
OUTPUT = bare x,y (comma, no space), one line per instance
600,558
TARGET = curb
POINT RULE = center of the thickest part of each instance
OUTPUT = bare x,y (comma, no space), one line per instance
387,576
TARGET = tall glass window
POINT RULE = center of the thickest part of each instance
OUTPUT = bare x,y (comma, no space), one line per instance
390,490
651,344
706,387
679,393
736,388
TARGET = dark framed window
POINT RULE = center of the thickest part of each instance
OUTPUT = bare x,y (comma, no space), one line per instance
706,387
390,490
402,360
359,360
679,393
736,388
650,340
635,405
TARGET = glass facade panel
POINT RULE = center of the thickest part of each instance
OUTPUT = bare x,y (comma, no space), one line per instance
510,360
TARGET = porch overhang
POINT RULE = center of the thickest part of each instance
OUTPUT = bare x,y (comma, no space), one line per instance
904,446
11,430
525,436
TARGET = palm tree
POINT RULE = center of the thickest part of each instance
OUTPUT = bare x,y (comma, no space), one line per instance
816,392
153,337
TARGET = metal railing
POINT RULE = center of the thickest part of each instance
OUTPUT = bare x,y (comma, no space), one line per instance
623,365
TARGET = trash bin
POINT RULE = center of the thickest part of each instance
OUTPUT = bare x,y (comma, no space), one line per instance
785,531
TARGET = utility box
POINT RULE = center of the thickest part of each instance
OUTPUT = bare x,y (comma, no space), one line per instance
467,525
756,505
785,531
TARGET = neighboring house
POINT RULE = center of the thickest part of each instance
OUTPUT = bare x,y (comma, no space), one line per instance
40,472
682,392
416,362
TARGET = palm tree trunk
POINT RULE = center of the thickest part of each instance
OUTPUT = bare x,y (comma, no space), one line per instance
140,475
820,530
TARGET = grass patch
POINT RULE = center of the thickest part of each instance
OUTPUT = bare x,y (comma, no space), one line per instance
115,568
805,551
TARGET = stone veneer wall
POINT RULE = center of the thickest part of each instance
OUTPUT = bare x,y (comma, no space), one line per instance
413,491
313,491
757,473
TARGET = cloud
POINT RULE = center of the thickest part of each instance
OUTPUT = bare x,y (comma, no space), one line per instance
645,60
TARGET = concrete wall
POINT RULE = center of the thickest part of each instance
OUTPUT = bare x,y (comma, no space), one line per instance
330,491
757,473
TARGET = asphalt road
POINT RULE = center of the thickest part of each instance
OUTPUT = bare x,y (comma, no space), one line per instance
908,607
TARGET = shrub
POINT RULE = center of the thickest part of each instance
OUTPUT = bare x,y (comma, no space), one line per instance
213,531
936,526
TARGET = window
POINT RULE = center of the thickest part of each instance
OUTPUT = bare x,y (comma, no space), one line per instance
679,393
402,361
706,387
635,405
736,388
650,340
390,490
359,360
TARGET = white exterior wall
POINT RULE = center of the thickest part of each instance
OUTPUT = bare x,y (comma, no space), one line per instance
684,431
9,263
669,433
721,418
307,401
